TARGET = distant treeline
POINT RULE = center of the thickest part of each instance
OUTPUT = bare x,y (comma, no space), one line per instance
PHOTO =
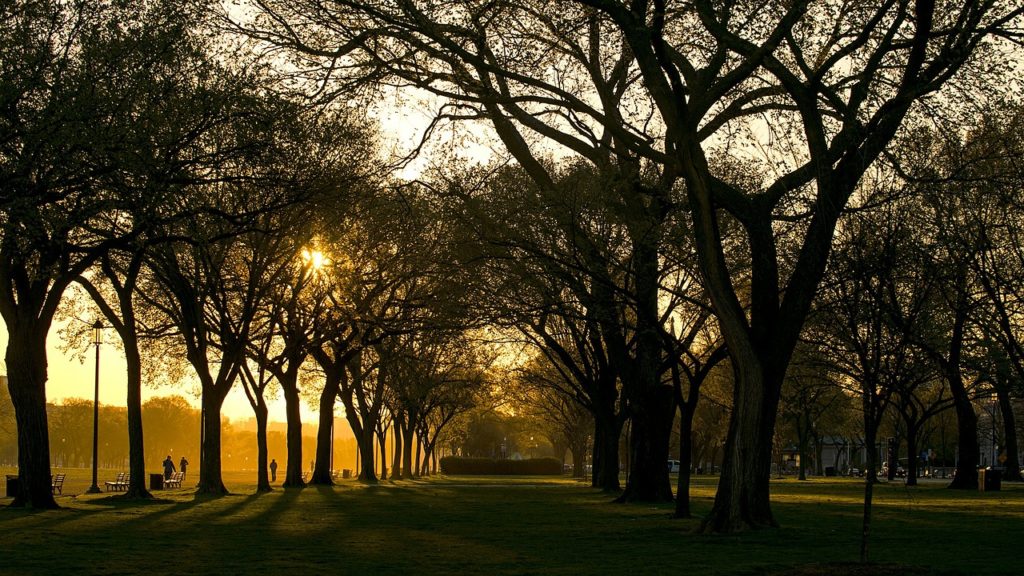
501,467
172,428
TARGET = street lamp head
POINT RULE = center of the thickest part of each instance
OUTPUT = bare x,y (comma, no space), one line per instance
97,333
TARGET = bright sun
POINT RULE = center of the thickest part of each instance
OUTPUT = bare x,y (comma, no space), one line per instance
314,258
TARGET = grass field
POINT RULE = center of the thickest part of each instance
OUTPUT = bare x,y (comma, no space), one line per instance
471,525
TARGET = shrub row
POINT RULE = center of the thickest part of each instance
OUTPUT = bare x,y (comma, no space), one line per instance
490,466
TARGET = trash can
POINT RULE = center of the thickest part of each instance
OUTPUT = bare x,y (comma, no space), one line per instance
13,485
156,481
830,470
989,480
346,473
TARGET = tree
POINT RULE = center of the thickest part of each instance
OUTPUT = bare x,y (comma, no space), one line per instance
172,108
212,279
809,397
665,85
980,167
878,298
78,83
173,427
557,270
567,423
430,376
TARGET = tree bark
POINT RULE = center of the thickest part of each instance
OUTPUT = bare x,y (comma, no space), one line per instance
26,382
912,434
742,500
325,430
382,440
396,463
210,472
865,527
417,470
136,447
407,438
293,474
651,426
652,402
605,460
871,421
685,462
967,439
367,455
967,420
1010,435
803,433
579,448
262,478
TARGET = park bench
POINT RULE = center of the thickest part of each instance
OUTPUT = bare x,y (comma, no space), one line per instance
118,484
175,480
57,484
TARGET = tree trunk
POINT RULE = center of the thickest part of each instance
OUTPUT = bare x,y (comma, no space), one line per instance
396,463
293,414
418,471
742,500
865,527
382,439
26,382
605,461
803,434
967,437
325,431
651,426
870,475
819,455
685,462
912,432
367,455
427,453
262,478
407,438
1010,434
759,499
579,448
136,447
652,402
210,473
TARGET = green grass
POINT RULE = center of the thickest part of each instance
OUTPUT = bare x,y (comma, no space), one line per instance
504,526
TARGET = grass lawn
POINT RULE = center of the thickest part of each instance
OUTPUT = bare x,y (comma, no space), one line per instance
452,525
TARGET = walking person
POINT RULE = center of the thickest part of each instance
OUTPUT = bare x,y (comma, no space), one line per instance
183,465
273,470
168,467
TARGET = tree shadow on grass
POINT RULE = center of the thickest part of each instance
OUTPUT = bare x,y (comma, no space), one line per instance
283,501
857,569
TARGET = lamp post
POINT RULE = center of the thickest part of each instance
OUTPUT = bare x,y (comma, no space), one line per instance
97,339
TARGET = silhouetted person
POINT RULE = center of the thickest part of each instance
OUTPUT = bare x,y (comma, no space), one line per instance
168,467
273,470
183,465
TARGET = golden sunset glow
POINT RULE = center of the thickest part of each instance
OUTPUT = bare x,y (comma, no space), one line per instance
315,259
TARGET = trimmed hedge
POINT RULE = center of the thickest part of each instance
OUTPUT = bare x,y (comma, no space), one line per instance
490,466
